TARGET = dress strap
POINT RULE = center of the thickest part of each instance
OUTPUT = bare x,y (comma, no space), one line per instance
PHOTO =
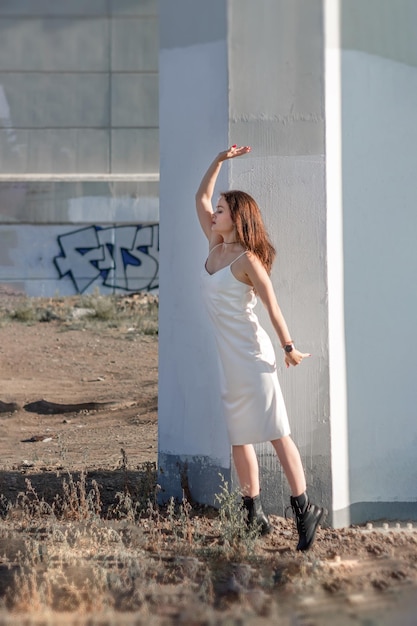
213,248
238,257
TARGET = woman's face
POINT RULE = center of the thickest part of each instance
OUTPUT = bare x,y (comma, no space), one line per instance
222,222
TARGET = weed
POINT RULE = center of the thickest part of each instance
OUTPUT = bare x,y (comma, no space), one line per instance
76,503
31,506
238,539
102,307
5,506
25,311
125,508
147,486
62,449
138,312
146,560
144,489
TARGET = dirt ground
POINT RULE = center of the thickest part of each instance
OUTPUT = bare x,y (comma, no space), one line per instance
109,368
361,575
45,362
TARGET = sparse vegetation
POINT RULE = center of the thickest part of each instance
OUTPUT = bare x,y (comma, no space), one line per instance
101,307
25,311
141,558
68,560
98,548
239,540
137,312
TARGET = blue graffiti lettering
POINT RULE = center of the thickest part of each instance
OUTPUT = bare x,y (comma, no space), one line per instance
120,258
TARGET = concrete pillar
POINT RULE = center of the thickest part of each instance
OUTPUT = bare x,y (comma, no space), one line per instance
325,92
339,460
276,104
378,91
194,121
236,72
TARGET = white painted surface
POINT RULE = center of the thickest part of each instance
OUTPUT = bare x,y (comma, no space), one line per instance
193,126
335,269
289,191
279,111
380,235
346,245
206,100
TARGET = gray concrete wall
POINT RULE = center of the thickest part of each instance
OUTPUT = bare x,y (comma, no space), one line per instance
79,87
379,162
79,136
344,273
233,72
277,106
193,127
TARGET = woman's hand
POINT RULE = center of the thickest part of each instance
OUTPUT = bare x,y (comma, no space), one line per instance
232,152
295,357
205,191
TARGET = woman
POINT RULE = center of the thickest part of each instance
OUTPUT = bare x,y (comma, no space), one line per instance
238,267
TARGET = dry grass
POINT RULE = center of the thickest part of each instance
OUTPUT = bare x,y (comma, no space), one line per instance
160,564
70,560
139,311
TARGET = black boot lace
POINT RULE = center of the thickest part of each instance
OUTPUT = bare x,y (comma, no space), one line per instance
298,518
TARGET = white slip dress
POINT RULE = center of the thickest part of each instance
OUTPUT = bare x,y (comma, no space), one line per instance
254,407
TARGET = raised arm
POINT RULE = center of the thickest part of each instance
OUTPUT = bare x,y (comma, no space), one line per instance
204,195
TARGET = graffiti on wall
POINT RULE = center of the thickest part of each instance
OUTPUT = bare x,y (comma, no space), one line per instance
119,258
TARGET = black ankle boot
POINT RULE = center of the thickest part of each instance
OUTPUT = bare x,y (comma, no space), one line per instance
308,517
256,514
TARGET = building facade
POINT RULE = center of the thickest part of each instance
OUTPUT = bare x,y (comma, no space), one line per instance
79,146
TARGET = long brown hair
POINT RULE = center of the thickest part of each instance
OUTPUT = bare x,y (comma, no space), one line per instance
250,229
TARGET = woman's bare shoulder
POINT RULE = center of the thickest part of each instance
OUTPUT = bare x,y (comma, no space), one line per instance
253,267
249,259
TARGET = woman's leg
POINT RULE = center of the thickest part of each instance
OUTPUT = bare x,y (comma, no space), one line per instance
308,515
247,469
290,460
